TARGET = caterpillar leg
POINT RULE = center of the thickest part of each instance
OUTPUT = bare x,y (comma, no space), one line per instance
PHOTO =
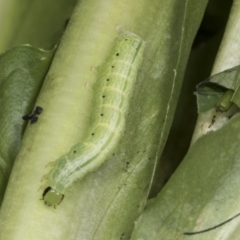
50,164
44,178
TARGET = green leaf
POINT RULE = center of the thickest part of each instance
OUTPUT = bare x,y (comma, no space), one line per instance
202,193
211,91
208,97
22,70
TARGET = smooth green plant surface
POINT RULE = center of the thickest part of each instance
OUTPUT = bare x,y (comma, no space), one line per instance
203,193
39,23
105,204
210,197
22,73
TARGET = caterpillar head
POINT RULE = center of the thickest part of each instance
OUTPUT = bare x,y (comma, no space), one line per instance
51,197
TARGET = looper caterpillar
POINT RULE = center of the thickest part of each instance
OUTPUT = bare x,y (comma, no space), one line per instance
113,91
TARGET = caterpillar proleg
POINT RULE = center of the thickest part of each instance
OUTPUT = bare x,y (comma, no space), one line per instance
113,90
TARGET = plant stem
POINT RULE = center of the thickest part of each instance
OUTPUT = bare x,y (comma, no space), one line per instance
105,204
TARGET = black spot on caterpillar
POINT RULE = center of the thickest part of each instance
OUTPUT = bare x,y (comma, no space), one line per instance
113,91
34,115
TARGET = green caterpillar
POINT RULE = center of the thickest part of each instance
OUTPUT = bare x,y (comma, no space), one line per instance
113,91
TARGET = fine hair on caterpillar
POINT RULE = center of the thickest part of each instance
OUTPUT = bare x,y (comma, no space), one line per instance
113,91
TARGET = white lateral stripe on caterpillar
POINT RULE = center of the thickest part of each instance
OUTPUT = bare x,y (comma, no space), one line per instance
113,91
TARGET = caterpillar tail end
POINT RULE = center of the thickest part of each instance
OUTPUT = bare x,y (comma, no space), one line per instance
51,197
